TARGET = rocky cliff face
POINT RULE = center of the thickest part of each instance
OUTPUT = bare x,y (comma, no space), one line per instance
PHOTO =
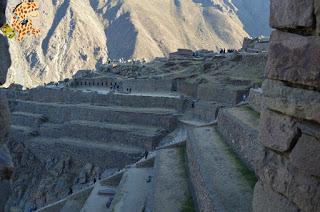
83,34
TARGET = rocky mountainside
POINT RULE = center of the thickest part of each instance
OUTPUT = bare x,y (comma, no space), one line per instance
83,34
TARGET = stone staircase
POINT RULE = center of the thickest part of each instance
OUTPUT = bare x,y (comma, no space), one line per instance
104,132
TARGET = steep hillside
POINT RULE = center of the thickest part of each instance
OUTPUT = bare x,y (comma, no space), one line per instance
83,34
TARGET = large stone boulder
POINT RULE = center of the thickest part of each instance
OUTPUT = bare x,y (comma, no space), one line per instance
267,200
296,102
277,131
305,156
291,14
255,99
285,179
294,58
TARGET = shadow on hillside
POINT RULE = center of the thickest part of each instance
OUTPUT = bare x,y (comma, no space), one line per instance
122,38
61,12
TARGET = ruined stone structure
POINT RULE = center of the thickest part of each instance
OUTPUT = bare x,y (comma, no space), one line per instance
254,45
289,179
65,128
197,134
213,146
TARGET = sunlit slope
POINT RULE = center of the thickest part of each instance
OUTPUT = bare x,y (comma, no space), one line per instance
81,34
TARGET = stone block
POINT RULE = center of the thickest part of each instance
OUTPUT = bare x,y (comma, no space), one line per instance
288,181
291,14
294,58
187,88
203,111
296,102
218,93
255,98
277,131
239,127
266,200
305,155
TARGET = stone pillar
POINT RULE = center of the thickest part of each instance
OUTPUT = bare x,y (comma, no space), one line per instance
5,159
290,118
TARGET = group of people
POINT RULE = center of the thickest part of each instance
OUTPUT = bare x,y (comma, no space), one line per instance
223,51
116,87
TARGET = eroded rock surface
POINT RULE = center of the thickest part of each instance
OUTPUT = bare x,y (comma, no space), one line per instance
37,183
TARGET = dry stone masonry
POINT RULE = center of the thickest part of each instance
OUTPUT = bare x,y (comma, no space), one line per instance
289,179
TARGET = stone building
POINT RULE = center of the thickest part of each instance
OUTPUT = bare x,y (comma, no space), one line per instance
290,119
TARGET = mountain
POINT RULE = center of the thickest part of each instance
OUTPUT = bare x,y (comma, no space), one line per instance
82,34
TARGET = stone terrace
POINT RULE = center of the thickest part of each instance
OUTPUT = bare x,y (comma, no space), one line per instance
109,130
210,149
194,160
110,122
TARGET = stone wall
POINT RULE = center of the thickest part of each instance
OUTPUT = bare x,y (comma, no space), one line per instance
290,116
254,99
135,85
70,96
218,93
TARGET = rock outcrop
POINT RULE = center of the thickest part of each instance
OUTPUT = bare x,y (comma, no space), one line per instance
5,159
289,127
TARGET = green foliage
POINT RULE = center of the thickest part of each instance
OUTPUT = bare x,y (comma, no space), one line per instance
188,205
247,174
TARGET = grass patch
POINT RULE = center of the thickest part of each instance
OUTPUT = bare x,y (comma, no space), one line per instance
182,157
246,173
316,177
247,109
246,114
188,205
